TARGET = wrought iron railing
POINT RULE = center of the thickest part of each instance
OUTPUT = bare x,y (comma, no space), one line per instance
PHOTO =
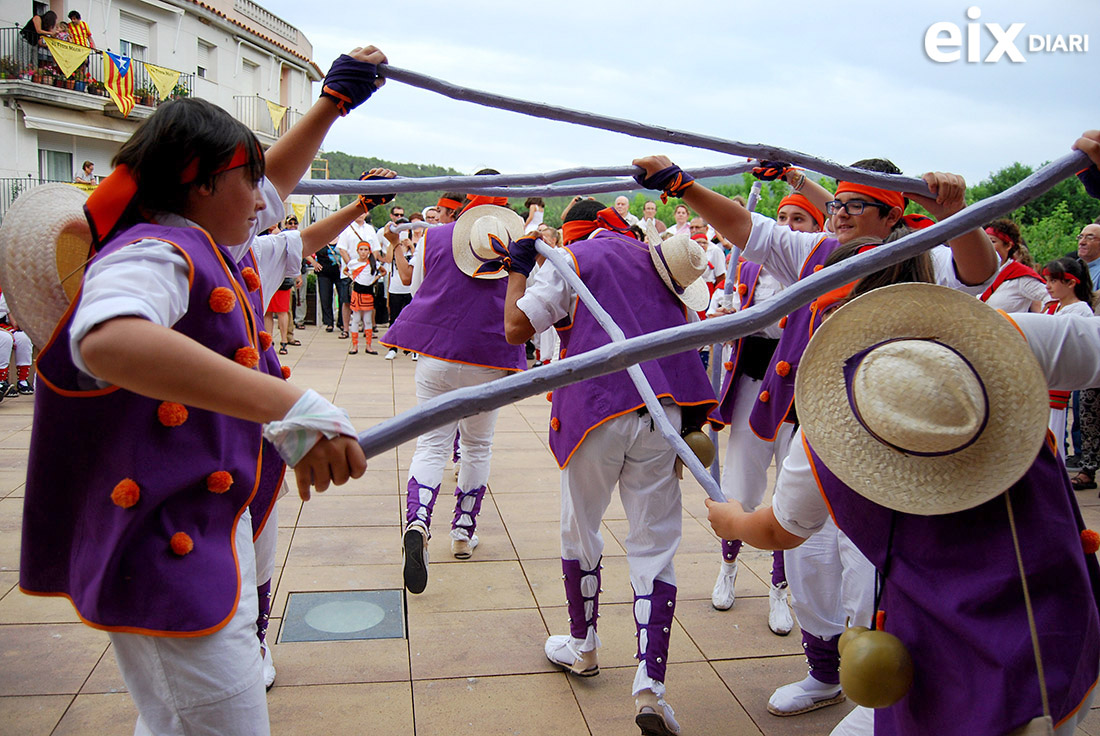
254,111
20,60
10,189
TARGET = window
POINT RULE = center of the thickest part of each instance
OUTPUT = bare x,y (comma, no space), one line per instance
55,165
207,56
134,35
251,82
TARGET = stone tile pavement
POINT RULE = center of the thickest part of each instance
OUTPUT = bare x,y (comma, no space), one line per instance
472,661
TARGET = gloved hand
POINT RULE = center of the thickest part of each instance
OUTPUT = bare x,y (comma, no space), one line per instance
771,170
671,181
521,255
370,201
350,82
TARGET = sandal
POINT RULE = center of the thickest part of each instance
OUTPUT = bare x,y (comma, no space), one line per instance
353,351
296,343
1083,482
344,334
328,328
282,348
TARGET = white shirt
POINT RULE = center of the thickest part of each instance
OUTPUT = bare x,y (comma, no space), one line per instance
1078,308
1068,350
348,243
1016,295
767,286
783,251
149,278
394,276
366,275
716,263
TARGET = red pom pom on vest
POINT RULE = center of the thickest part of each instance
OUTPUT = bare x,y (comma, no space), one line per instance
818,267
783,369
251,279
728,365
126,493
223,300
171,414
219,481
742,289
764,396
248,356
181,543
782,322
1090,541
549,395
555,424
286,371
265,340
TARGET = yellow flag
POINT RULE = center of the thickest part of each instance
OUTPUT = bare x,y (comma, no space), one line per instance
277,112
299,212
69,56
163,79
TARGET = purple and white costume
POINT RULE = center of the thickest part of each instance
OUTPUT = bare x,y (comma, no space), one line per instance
456,323
601,435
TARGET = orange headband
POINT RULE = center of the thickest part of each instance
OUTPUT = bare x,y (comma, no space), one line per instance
191,171
894,199
108,203
476,200
575,230
800,201
450,204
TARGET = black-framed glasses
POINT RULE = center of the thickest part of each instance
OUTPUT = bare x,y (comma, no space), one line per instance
853,206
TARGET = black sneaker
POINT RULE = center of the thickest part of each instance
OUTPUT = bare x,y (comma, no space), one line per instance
24,387
10,389
415,567
4,386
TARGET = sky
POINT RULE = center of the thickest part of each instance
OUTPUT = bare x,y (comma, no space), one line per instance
841,81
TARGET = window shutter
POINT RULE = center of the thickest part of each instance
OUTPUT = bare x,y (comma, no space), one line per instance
134,29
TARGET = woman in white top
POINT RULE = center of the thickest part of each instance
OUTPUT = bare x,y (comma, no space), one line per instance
1017,287
1070,292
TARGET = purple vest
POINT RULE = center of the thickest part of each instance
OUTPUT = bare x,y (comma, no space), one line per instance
453,316
617,269
747,274
116,563
953,596
776,396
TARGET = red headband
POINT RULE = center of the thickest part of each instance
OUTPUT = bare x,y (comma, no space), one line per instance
451,204
800,201
1064,277
1000,235
191,171
894,199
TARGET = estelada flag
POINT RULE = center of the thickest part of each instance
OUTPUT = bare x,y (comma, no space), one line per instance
120,82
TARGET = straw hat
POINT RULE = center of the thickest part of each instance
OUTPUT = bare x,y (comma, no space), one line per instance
680,262
44,243
472,240
922,399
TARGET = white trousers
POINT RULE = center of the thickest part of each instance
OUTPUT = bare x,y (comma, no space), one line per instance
22,345
201,686
745,467
434,447
831,583
1057,428
361,321
628,451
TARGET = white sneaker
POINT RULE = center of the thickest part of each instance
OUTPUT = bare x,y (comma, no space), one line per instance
415,357
462,549
559,650
722,596
803,696
654,716
415,553
779,612
269,668
391,354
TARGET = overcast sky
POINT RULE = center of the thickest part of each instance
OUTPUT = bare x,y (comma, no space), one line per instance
839,80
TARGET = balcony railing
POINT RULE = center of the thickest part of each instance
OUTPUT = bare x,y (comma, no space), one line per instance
253,111
19,60
10,189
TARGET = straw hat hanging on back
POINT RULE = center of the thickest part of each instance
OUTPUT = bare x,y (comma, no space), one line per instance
922,399
480,240
680,263
45,242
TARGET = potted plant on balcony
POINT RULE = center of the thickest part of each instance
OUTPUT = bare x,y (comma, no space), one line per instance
80,80
9,69
179,92
97,87
145,95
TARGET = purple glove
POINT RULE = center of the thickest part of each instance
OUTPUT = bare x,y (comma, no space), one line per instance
1090,178
671,181
521,255
370,201
771,170
349,83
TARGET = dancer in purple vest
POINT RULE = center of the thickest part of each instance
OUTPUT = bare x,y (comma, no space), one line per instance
161,366
830,581
748,456
601,433
458,346
951,486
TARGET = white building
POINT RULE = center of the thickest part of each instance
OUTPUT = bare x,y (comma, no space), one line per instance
231,52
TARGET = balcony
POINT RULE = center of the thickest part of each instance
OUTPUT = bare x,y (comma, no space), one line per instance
30,74
254,111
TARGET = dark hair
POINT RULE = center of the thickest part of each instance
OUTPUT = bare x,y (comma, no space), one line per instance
73,15
916,269
1060,267
49,20
177,134
533,200
86,164
882,166
1009,228
456,196
290,219
487,172
586,209
416,216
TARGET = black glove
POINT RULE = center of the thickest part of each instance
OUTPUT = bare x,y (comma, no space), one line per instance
349,83
521,255
370,201
771,170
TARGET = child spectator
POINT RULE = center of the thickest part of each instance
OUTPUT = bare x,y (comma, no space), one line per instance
365,270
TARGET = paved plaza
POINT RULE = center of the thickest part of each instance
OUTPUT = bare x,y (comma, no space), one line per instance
471,660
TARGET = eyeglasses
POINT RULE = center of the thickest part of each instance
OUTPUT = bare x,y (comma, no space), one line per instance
853,206
397,214
1090,236
697,227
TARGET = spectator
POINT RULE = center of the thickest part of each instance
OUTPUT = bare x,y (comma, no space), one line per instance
622,206
278,307
535,210
1017,288
649,217
1070,291
39,25
86,176
298,295
79,32
1088,249
347,246
681,215
715,273
431,215
326,264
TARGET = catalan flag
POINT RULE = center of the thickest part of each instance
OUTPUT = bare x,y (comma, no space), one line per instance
120,82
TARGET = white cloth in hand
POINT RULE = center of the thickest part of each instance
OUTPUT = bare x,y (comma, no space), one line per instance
311,417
